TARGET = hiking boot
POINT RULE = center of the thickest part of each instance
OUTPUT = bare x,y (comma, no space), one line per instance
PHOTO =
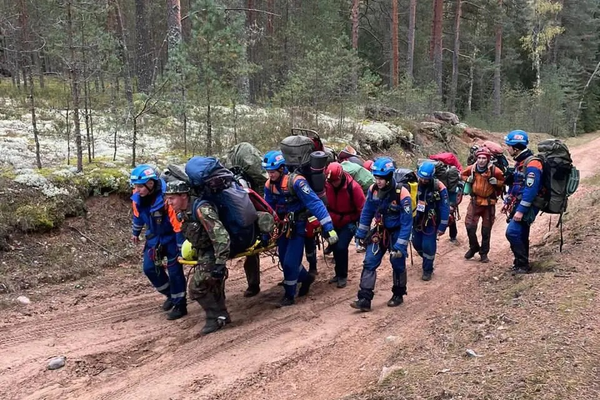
471,253
426,276
333,280
213,325
395,301
305,287
313,271
178,311
168,304
252,291
453,240
520,270
484,258
280,283
285,302
341,283
361,304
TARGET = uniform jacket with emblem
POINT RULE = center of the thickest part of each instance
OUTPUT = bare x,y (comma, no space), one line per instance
345,202
431,199
303,199
392,206
527,180
159,218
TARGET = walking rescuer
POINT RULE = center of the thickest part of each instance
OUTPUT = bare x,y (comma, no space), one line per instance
162,238
345,201
518,205
484,181
207,241
294,201
432,216
390,206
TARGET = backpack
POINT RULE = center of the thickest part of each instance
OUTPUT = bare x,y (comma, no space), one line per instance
560,178
305,156
244,161
407,178
213,183
361,175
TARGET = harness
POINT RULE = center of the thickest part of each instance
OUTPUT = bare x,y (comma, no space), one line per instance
289,196
422,219
379,235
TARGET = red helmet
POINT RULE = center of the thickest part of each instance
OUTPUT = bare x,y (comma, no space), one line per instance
334,172
483,151
368,164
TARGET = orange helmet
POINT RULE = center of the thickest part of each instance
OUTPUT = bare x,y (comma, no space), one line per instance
334,172
483,151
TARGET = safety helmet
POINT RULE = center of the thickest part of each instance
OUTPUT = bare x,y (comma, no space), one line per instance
483,151
188,253
368,164
426,170
383,167
273,160
334,172
516,137
142,174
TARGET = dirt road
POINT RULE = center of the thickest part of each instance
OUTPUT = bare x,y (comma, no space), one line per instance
119,346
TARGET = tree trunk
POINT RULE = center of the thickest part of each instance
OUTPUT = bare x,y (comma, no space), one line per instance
410,56
173,23
143,52
270,25
74,87
355,8
127,76
436,43
86,95
394,33
455,55
498,67
114,112
471,81
41,68
36,139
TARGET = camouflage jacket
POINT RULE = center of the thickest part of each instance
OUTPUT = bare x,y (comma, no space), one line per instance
203,228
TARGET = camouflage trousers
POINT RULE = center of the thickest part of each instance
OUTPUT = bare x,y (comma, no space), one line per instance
209,292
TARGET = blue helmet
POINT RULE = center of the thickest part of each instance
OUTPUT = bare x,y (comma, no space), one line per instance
426,170
383,167
273,160
142,174
516,137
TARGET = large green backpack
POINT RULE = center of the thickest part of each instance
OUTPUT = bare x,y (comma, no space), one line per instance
244,159
364,177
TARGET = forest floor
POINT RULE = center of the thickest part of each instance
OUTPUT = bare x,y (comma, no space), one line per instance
532,336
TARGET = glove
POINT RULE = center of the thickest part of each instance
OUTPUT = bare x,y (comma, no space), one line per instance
135,239
264,239
219,272
493,181
399,252
333,237
396,254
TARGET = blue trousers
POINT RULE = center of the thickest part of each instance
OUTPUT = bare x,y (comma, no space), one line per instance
373,257
517,234
172,284
290,254
340,249
426,246
310,246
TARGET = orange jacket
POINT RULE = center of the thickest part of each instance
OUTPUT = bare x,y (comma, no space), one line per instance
483,192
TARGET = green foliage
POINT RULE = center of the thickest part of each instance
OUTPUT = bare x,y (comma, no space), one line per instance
30,218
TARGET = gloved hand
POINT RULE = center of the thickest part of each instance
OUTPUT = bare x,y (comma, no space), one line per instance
218,272
399,252
493,181
135,239
264,239
333,237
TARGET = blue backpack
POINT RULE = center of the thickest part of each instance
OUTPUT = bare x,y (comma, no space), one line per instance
214,183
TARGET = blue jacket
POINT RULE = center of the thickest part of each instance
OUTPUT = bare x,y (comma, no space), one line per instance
527,180
159,218
393,208
433,208
300,198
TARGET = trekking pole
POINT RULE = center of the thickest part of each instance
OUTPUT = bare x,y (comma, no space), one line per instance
412,263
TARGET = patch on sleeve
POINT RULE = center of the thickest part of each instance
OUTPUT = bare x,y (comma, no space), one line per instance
305,188
407,209
530,180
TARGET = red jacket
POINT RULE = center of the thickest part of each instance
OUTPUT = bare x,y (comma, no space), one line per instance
346,202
